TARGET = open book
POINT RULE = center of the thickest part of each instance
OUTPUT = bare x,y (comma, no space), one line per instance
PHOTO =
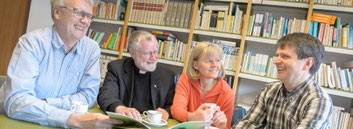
192,125
128,122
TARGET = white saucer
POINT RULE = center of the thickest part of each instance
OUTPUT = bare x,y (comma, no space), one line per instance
161,124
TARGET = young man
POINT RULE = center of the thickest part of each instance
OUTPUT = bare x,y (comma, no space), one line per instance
135,84
53,66
295,101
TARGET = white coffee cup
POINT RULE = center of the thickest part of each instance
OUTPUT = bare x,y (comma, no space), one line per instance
213,105
79,107
153,116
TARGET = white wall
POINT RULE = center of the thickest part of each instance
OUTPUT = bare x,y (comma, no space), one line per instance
39,15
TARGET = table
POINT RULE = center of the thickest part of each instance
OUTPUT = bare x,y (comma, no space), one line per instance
8,123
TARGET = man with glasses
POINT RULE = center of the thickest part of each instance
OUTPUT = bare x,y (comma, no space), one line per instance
54,66
133,85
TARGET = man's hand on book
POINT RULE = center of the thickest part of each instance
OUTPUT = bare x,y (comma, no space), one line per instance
164,112
91,121
132,112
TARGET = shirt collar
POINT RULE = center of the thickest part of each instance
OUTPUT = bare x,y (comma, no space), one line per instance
217,89
58,43
297,91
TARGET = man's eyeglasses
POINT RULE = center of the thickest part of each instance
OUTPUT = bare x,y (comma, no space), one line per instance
148,53
80,13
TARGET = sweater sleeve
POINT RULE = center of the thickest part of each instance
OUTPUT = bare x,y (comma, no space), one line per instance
228,105
179,108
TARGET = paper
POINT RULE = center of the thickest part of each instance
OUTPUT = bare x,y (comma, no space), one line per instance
128,122
192,125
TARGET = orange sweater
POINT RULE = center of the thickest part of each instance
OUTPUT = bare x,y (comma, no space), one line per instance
188,98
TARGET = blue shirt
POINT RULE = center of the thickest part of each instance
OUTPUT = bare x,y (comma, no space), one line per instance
40,69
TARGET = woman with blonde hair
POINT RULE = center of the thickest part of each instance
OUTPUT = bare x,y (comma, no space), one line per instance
201,85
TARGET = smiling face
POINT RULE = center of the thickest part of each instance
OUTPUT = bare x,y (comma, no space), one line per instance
146,55
69,26
208,66
290,69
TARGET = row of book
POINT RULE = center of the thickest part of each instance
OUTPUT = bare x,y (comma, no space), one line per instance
170,48
103,63
340,119
259,64
230,53
336,34
110,10
331,76
219,17
162,12
267,26
107,40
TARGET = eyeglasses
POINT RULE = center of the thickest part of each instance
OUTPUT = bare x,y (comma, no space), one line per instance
80,13
209,61
148,53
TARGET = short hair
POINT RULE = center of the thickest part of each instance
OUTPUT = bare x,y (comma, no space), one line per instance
136,37
207,49
54,3
305,46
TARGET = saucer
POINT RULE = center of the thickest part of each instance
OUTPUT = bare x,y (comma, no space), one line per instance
161,124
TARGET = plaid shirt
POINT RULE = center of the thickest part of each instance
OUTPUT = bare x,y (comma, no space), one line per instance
307,106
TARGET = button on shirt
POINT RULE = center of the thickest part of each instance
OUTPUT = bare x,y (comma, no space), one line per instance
40,69
307,106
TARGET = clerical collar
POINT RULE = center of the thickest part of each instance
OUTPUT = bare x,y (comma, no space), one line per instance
142,72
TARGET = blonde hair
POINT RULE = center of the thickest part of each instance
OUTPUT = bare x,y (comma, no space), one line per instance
136,37
207,49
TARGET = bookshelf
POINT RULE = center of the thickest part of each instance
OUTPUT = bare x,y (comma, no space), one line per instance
247,42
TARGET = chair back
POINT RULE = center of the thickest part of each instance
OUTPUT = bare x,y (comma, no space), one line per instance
238,114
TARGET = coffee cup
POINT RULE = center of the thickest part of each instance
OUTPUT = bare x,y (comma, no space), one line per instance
212,105
79,107
153,116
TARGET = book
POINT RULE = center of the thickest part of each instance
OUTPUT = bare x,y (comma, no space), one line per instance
128,122
192,125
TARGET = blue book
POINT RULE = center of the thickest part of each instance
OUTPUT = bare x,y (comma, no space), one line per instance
338,26
316,27
311,27
346,72
285,27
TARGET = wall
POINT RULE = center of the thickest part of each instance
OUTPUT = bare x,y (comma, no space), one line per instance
39,15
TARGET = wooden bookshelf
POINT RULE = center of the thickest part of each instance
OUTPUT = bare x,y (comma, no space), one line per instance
243,37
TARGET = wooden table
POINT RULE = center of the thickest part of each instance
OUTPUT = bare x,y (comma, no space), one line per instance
7,123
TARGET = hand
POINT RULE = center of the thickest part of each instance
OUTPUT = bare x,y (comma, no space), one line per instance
203,113
132,112
220,119
91,121
164,112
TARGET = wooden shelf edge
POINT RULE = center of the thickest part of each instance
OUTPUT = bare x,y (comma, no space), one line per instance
109,21
160,27
218,34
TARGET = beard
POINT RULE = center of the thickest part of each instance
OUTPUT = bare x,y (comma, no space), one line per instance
147,66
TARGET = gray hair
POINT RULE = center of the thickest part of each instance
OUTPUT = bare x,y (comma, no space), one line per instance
305,46
54,3
136,37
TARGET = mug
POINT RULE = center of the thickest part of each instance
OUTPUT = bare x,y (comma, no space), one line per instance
79,107
213,105
153,116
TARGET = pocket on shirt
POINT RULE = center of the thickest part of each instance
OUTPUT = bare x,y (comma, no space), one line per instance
75,74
